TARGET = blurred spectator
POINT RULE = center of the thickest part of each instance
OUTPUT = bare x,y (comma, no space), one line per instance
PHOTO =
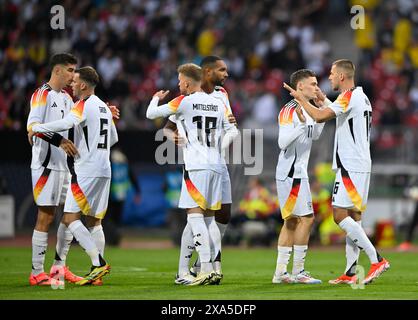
325,175
315,53
137,45
109,66
258,202
325,227
176,217
411,193
258,217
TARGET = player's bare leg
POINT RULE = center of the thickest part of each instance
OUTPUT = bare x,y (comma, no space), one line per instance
223,217
284,250
301,240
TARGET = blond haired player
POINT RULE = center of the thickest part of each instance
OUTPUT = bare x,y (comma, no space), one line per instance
215,72
201,119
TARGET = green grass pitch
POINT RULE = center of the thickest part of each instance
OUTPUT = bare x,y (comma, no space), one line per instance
149,274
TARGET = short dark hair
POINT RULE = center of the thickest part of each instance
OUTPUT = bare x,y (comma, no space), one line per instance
347,66
89,75
208,61
62,59
300,75
191,70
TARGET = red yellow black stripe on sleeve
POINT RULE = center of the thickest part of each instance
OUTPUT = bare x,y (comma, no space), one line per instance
286,115
39,98
174,104
78,108
344,99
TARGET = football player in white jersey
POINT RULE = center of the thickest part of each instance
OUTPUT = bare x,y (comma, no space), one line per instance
296,132
50,176
352,163
201,119
94,134
215,72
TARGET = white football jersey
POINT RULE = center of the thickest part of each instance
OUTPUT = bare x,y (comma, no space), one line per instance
94,134
220,94
352,134
295,142
200,118
48,105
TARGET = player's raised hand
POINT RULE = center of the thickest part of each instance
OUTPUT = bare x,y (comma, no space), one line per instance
161,94
300,114
115,111
69,147
290,89
320,98
295,94
231,119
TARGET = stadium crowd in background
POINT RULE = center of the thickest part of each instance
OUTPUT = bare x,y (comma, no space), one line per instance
136,46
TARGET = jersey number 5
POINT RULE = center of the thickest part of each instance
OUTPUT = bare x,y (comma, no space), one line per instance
103,133
210,126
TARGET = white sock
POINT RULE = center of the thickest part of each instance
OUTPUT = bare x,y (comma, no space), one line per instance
215,242
283,257
99,238
85,240
186,249
359,237
64,239
222,228
352,253
39,245
299,259
201,240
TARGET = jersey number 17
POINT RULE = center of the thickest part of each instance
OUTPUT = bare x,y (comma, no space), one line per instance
368,116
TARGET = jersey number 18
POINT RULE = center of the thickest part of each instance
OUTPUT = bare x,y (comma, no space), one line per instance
208,136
